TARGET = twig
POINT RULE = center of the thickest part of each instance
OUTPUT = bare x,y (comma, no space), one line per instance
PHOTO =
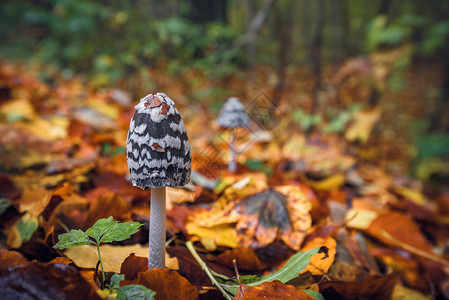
238,275
204,267
414,250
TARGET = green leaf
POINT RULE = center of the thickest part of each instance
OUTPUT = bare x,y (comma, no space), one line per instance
295,265
4,204
115,280
316,295
73,238
108,230
135,291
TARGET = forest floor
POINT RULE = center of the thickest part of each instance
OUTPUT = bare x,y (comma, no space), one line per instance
344,184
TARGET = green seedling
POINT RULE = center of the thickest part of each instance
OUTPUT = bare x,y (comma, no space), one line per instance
103,231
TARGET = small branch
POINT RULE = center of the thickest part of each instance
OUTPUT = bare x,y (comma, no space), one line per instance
414,250
204,267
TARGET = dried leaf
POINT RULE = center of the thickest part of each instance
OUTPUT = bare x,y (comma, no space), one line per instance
132,265
364,122
373,287
164,109
9,259
272,290
112,256
157,147
153,101
45,281
319,265
400,227
166,283
246,259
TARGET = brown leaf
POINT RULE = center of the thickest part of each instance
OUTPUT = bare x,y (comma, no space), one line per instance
374,287
402,228
164,109
246,259
45,281
8,189
272,290
166,283
132,265
153,101
10,258
108,204
157,147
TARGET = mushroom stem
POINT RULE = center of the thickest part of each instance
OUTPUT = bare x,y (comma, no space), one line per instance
156,256
232,165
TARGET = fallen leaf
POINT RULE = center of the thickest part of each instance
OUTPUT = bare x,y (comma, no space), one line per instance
329,183
272,290
319,265
246,259
113,256
9,259
362,125
210,237
166,283
45,281
402,293
373,287
360,218
283,212
402,228
132,265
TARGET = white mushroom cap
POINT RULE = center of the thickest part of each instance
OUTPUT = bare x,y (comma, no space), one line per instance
158,149
233,114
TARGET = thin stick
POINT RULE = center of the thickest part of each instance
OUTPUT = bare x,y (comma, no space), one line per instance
414,250
238,275
204,267
156,253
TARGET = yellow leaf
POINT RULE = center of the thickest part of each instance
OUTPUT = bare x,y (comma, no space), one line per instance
362,125
360,218
317,264
413,195
17,109
402,293
222,235
329,183
113,256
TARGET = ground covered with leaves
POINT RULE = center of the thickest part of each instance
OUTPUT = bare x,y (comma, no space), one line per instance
307,214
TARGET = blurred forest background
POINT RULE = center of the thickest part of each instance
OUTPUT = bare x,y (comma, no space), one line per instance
319,61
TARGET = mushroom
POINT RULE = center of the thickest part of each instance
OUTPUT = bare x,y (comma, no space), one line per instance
233,115
158,155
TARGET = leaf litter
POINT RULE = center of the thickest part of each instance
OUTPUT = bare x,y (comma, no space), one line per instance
63,169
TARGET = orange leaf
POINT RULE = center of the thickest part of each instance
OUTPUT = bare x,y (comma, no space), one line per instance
317,264
166,283
400,227
272,290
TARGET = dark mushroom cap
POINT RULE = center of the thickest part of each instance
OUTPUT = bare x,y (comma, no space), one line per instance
233,114
157,146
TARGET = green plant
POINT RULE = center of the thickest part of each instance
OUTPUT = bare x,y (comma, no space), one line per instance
229,286
103,231
132,291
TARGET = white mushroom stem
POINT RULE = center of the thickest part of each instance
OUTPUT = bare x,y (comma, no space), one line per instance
232,165
156,256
